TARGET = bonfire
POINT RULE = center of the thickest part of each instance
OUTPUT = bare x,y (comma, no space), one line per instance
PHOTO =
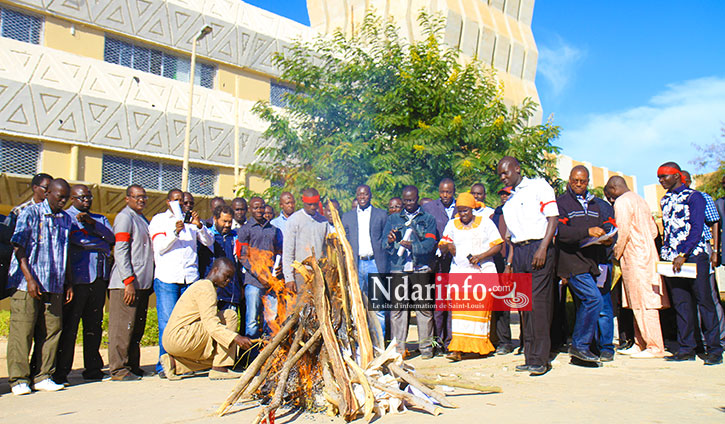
320,355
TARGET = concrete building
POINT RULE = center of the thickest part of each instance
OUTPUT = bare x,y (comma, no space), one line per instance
96,91
496,32
598,176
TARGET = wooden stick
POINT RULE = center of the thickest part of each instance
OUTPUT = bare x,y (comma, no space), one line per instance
292,357
343,285
410,398
359,310
368,411
348,403
255,366
410,379
447,381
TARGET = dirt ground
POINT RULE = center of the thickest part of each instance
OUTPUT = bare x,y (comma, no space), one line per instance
626,390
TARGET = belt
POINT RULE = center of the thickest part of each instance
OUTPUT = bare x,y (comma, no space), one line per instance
367,258
527,242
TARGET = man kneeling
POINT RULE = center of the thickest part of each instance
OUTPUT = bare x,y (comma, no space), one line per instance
197,337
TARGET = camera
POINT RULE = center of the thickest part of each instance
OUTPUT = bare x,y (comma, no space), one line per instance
187,217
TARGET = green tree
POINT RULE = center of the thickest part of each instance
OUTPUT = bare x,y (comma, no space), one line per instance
712,155
373,108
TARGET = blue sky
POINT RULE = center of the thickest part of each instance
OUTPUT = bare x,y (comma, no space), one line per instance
632,83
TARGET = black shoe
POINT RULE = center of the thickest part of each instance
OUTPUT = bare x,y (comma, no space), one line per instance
522,368
625,344
681,357
538,369
141,373
127,377
504,350
582,355
712,359
607,356
61,380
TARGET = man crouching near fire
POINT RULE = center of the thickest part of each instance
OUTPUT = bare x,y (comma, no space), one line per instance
197,337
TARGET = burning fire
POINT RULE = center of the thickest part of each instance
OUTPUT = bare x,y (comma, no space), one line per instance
262,265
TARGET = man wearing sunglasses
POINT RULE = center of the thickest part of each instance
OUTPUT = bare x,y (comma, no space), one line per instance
89,270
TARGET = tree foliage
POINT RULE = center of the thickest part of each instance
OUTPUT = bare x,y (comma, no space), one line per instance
712,155
372,108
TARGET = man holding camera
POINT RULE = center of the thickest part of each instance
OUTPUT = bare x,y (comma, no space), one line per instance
174,238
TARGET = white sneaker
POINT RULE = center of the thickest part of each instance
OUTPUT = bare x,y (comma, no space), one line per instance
48,385
645,354
631,351
21,389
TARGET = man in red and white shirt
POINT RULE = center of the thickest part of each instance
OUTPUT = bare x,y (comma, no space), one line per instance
531,216
175,256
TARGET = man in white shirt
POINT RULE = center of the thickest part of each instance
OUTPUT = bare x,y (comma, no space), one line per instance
175,255
531,216
478,191
365,227
286,209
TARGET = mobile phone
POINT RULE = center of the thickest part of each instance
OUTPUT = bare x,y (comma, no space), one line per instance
187,217
469,257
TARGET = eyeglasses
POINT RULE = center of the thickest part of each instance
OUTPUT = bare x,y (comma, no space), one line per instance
139,197
84,198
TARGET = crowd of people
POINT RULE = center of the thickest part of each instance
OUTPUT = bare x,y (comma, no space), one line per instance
213,278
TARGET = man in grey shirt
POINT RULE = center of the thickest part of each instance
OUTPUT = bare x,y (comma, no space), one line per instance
130,287
304,235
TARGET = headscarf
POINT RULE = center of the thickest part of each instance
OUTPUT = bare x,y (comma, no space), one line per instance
467,200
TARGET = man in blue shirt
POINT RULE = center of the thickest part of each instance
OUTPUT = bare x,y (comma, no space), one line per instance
229,298
37,275
683,216
89,268
259,240
286,209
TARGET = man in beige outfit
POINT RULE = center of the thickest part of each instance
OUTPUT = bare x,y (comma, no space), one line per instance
197,337
644,291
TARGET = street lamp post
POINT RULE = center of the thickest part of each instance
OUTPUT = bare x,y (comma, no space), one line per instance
187,132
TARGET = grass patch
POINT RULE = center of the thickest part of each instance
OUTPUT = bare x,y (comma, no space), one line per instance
150,336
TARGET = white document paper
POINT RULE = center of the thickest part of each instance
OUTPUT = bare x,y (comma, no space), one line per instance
687,271
598,240
176,209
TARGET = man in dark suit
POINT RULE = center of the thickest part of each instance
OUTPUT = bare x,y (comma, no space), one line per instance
364,227
443,209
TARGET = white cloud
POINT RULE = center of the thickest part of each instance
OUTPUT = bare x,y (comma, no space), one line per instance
637,140
557,64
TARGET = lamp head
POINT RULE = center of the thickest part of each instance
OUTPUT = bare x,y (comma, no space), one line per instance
204,32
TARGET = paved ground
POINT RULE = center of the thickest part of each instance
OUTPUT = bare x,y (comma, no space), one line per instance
626,390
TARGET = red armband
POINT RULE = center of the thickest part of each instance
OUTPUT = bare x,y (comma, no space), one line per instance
129,280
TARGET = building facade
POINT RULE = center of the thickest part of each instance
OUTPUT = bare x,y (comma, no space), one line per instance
96,91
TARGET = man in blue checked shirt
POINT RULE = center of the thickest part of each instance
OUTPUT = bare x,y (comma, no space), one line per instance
712,219
229,298
89,268
38,277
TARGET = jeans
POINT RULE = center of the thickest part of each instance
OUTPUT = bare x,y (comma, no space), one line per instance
167,294
585,288
606,319
257,314
363,269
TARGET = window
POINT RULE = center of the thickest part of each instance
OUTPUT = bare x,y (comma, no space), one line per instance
20,26
277,94
19,158
157,62
122,171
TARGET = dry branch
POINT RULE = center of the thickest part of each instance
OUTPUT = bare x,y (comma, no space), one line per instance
461,384
359,311
256,365
411,399
368,410
348,403
410,379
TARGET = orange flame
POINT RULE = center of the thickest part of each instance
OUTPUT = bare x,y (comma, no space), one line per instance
261,263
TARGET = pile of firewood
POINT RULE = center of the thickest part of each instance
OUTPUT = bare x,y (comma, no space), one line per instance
322,355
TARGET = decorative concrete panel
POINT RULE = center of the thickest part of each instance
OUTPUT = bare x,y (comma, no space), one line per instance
61,97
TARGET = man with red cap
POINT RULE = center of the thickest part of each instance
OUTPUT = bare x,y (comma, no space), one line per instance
304,235
683,216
